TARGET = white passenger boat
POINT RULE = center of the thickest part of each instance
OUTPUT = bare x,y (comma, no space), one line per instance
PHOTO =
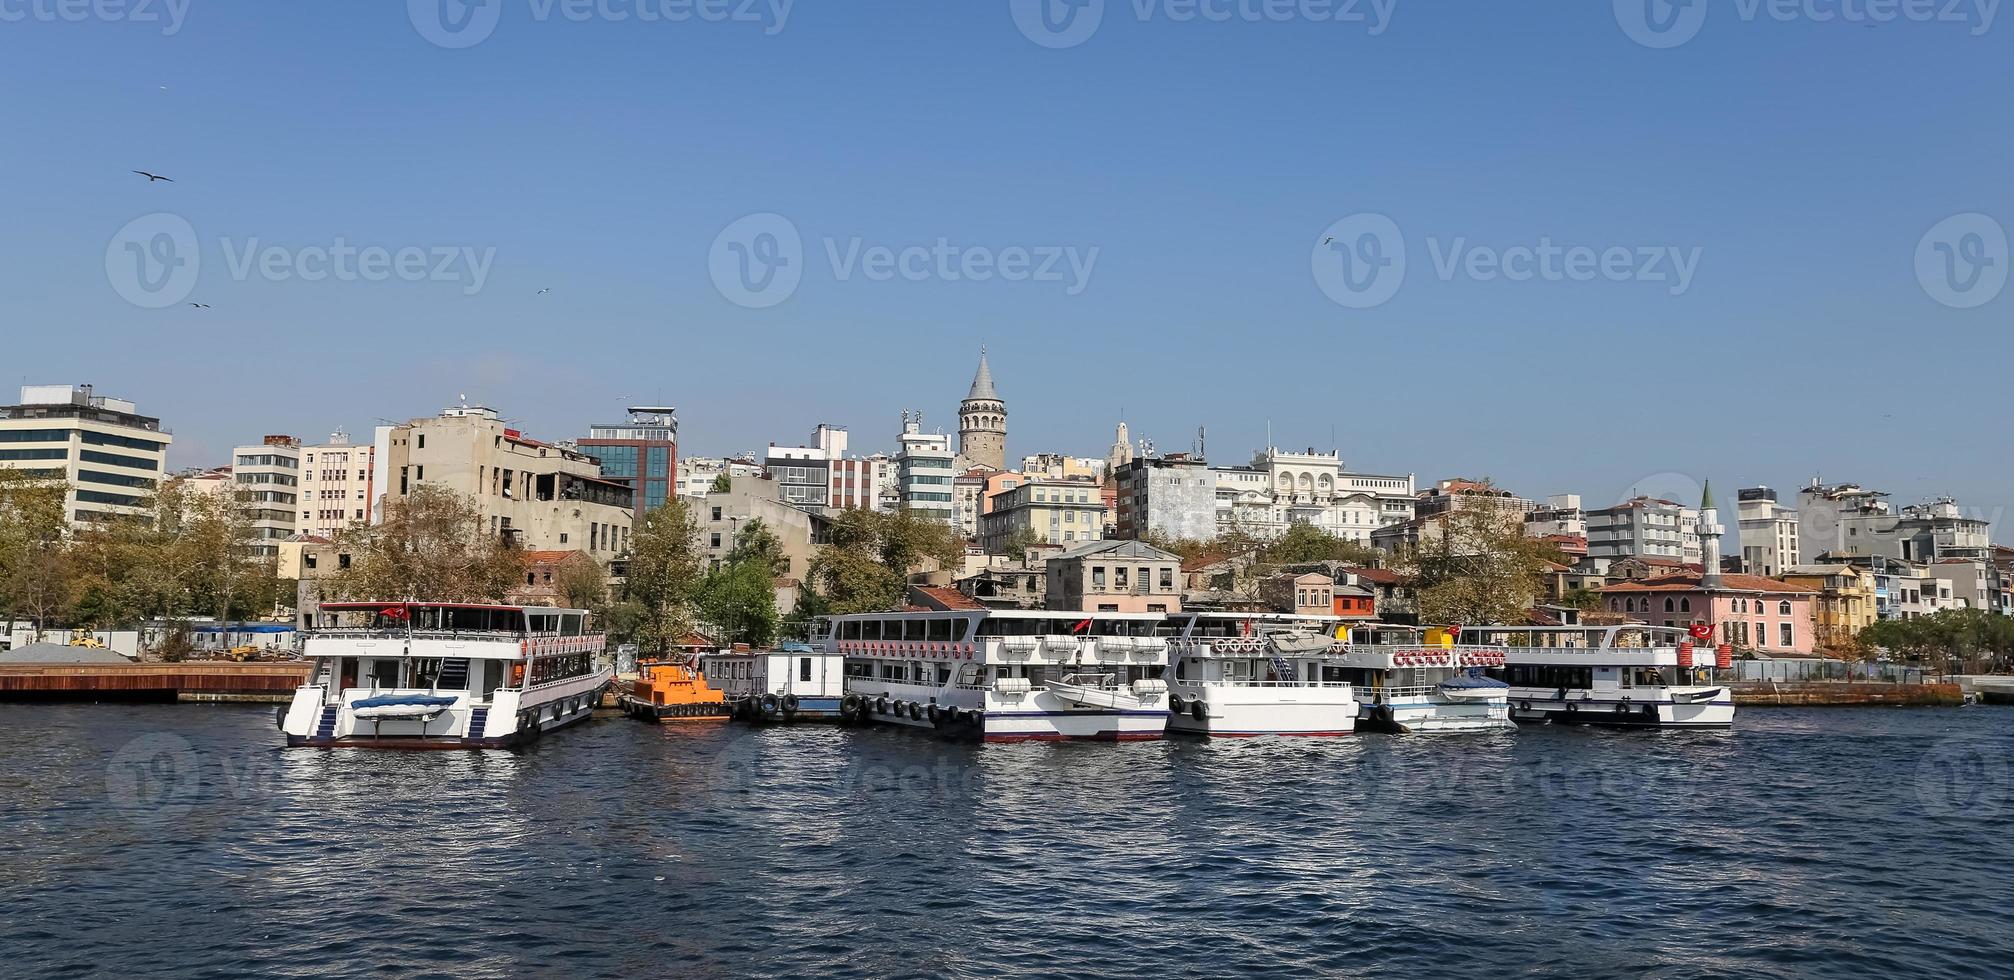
1411,680
1240,674
1005,676
444,676
1615,676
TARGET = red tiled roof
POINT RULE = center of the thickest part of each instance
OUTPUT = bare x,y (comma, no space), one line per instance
1689,582
1204,560
947,597
1381,576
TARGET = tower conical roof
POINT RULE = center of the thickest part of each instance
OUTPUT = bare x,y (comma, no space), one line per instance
982,382
1706,496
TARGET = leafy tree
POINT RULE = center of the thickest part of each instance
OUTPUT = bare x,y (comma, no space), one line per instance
1476,566
755,542
723,483
582,585
1307,543
867,560
431,547
36,579
666,568
739,600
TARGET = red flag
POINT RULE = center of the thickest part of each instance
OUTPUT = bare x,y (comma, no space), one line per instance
393,612
1081,627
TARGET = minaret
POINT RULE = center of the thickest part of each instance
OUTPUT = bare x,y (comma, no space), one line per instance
1709,539
982,422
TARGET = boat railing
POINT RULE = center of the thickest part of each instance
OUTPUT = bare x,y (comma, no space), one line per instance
1236,682
1376,694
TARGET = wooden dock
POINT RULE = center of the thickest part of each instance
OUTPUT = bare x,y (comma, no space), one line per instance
195,681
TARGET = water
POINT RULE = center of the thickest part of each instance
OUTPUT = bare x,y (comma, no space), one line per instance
181,840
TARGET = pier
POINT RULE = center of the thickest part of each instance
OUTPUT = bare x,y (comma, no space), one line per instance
1814,694
198,681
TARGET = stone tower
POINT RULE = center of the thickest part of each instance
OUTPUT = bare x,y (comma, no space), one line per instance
1120,454
982,422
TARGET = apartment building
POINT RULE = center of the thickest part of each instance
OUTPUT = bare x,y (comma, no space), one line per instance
267,482
112,457
1645,527
640,453
338,486
1768,532
1115,576
1056,511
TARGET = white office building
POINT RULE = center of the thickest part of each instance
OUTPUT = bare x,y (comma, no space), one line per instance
112,457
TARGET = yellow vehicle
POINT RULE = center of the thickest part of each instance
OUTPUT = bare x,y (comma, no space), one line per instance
83,638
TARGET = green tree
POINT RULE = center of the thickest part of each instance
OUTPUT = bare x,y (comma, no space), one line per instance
723,483
432,546
868,558
1474,566
36,576
755,542
666,569
739,600
1305,542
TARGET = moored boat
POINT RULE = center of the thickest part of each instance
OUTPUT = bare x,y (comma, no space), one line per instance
1249,674
1613,676
672,691
793,682
1413,680
414,675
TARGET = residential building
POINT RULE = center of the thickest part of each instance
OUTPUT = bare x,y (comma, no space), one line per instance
1768,532
723,514
803,476
214,482
982,422
1302,594
1056,466
925,470
1280,489
1010,581
974,490
1115,576
1846,603
536,495
1975,583
112,457
866,483
545,577
694,475
1055,511
337,478
267,482
1645,527
1447,496
641,453
1171,497
1848,519
1560,516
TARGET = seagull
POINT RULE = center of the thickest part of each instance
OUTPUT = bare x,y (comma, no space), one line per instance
154,177
1329,239
200,306
544,291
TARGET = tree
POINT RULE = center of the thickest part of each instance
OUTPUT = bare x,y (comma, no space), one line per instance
724,483
431,547
35,574
868,558
1305,542
1474,565
582,585
755,542
666,568
739,600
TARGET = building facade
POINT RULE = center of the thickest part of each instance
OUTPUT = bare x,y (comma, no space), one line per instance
925,471
1115,576
337,478
112,457
1644,527
641,453
1559,516
1850,520
1061,512
1768,532
267,482
1846,601
536,495
1170,497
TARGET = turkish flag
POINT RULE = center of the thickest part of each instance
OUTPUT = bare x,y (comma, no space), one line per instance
1081,627
393,612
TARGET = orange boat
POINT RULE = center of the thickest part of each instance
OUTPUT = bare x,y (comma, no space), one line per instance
671,692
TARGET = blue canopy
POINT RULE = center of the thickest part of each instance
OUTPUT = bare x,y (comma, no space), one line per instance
402,700
1473,683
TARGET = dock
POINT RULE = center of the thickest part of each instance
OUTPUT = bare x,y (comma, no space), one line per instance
193,681
1813,694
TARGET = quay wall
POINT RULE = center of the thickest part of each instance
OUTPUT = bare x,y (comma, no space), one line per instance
1802,694
148,682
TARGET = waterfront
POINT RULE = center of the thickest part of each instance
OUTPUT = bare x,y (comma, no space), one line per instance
183,840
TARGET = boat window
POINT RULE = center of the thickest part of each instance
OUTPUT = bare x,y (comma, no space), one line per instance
849,630
940,629
570,624
804,668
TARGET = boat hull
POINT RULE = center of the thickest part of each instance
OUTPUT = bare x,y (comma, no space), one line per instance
642,710
1611,712
1037,716
1250,712
1429,715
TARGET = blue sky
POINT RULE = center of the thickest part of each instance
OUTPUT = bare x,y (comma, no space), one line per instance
1801,161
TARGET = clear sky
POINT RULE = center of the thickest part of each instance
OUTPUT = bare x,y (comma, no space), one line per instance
1795,163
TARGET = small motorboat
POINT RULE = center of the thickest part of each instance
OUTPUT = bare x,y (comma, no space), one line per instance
1473,687
406,706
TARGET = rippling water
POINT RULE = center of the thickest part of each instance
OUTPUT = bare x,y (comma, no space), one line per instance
182,839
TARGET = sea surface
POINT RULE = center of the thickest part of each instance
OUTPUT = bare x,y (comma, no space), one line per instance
183,840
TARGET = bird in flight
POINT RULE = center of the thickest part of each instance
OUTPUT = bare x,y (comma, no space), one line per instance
544,291
200,306
154,177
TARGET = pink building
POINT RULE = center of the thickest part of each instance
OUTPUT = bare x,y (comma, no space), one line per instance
1753,613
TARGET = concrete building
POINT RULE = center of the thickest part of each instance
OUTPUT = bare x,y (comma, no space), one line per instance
694,475
1061,512
1115,576
1281,489
1764,615
925,470
1056,466
866,483
336,486
538,496
1302,594
267,482
1645,527
974,490
721,515
1848,519
1172,497
1446,496
112,457
1846,601
982,422
1560,516
803,476
1768,532
641,453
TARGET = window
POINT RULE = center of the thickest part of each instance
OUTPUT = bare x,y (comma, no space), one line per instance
1669,606
1788,634
804,668
1783,609
1685,605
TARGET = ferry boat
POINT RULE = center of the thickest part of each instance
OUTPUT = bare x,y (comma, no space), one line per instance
417,675
1413,680
1614,676
793,682
1005,675
1239,675
671,691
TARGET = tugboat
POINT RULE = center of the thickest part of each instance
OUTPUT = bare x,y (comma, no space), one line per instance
671,691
